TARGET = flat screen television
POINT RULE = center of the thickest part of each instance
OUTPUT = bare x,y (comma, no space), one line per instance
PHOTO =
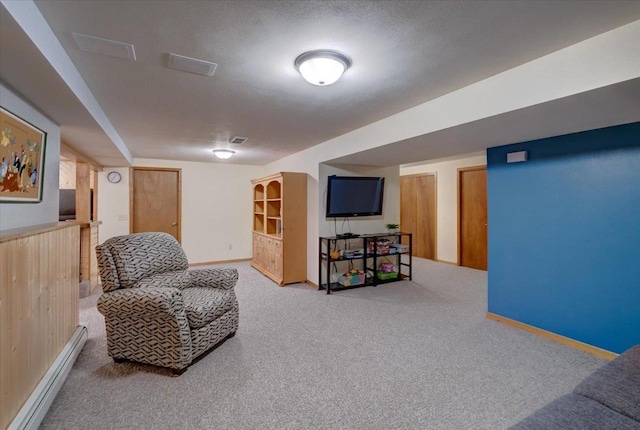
351,196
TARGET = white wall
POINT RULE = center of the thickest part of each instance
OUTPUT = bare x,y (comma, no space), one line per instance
113,204
446,171
16,215
594,63
216,207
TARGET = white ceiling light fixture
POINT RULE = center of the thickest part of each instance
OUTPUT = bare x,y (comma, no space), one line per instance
322,67
223,153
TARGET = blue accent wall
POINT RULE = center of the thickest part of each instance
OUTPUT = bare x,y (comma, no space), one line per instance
564,235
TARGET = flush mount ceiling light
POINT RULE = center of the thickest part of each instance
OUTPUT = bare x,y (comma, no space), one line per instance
223,153
322,67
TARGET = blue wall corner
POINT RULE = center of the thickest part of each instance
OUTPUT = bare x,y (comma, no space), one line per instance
564,235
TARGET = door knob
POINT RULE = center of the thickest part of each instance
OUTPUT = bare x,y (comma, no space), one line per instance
173,224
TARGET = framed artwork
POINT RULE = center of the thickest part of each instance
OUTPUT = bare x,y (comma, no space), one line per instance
22,148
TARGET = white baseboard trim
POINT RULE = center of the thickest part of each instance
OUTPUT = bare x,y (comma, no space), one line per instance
37,405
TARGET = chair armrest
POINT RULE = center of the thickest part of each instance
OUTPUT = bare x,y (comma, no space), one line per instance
155,302
225,278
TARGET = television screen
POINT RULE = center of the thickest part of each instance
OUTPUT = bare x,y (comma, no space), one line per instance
349,196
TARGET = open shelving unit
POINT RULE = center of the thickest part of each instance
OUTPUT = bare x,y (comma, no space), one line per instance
280,200
258,208
368,260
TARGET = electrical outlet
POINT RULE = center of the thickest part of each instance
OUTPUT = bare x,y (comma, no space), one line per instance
123,217
230,247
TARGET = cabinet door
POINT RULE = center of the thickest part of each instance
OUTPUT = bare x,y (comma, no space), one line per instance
258,250
277,259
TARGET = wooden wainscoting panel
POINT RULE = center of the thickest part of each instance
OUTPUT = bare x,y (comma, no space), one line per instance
38,308
88,260
83,192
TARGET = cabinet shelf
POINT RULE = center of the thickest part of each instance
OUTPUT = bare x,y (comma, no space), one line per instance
362,257
369,258
336,286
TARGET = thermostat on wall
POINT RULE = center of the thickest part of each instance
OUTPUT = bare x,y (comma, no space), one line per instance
517,157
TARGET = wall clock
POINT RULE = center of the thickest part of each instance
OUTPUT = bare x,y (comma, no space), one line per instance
114,177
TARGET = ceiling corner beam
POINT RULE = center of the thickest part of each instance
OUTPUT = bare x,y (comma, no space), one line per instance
29,18
70,153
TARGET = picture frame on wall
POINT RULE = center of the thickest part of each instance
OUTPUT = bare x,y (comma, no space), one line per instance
22,151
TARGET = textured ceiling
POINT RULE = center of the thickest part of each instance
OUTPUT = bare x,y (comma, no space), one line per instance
404,53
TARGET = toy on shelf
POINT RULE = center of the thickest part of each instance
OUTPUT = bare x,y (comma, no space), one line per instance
352,277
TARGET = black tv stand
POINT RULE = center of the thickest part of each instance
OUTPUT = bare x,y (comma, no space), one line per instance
347,235
330,255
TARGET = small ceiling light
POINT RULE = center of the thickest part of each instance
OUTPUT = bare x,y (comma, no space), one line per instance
322,67
223,153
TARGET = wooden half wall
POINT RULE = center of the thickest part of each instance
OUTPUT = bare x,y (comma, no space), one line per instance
39,269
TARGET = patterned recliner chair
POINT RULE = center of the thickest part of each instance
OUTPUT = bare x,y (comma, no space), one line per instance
158,312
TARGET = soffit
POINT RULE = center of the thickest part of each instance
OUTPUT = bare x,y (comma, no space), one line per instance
404,53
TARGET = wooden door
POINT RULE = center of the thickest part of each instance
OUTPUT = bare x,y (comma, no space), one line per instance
418,213
408,208
425,238
155,200
472,212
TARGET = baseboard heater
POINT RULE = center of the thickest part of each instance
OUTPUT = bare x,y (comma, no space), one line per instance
37,405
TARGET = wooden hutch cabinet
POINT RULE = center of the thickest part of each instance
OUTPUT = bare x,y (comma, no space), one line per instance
280,227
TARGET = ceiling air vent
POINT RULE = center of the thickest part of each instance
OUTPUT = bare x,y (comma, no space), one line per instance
238,139
97,45
191,65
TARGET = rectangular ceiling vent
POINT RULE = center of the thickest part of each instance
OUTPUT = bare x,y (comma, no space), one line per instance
238,139
101,46
191,65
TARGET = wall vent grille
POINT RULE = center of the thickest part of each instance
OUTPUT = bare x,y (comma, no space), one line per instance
238,139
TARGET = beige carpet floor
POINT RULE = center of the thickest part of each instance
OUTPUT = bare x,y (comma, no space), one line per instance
407,355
